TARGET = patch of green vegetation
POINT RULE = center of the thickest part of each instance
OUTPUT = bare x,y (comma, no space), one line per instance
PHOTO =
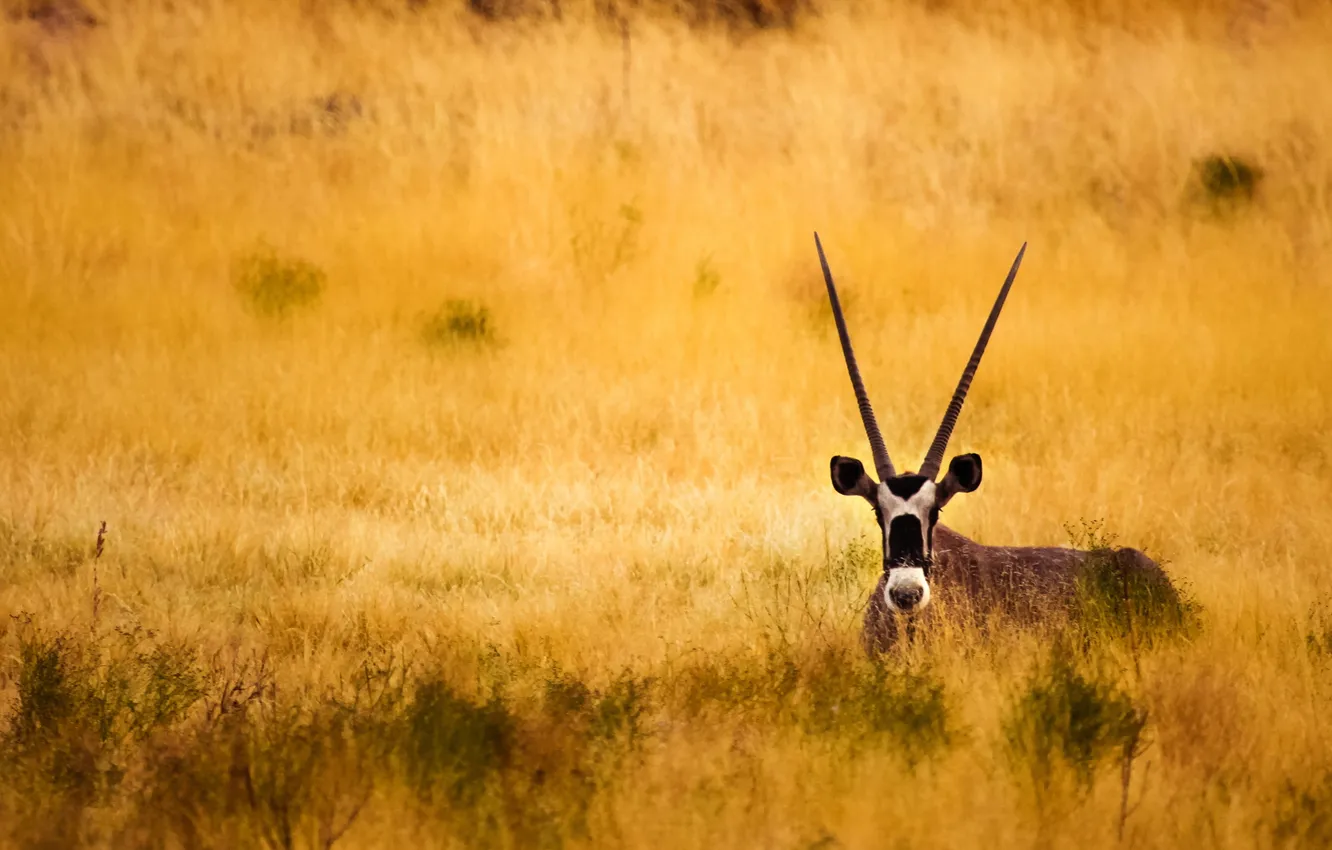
459,322
792,601
1070,717
275,286
829,694
603,244
758,688
216,753
454,744
1318,637
877,702
269,772
82,715
195,750
861,559
1120,596
1223,184
61,556
1302,816
707,280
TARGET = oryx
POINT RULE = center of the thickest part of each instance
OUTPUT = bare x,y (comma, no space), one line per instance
922,558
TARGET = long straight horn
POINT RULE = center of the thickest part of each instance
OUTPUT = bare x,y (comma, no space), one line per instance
882,464
934,457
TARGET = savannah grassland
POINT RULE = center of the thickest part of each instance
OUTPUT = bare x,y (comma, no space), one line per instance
458,395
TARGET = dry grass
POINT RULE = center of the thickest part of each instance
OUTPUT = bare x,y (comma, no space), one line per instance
514,528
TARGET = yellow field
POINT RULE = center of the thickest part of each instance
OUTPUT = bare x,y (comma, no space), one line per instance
570,571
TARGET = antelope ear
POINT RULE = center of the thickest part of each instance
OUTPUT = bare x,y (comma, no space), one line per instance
850,479
964,475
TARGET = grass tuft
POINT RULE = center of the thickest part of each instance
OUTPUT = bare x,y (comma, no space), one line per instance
1225,185
276,286
1118,597
1070,718
459,322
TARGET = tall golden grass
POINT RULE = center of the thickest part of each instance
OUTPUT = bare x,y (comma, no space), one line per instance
622,477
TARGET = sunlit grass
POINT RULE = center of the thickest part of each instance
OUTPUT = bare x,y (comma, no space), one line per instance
519,530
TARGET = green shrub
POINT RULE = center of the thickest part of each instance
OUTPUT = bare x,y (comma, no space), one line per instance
83,711
1070,718
833,694
455,744
1224,184
48,689
120,691
459,322
1318,638
1119,602
1115,599
36,547
273,285
615,713
707,279
876,702
1302,814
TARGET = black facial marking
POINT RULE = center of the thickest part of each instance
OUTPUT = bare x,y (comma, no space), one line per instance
905,486
906,544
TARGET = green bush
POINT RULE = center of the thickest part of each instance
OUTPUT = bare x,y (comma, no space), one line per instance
273,285
1070,718
615,713
191,753
1117,600
876,702
459,322
455,744
833,694
707,279
1302,814
1224,184
1318,637
82,713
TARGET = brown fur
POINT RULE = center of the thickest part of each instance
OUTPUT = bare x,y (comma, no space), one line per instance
1023,583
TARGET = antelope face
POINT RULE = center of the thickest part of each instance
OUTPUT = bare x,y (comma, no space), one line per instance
907,509
907,506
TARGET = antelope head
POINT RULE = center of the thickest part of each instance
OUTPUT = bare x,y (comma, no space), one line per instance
907,505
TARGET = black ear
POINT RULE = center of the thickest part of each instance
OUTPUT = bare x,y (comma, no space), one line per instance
849,478
964,475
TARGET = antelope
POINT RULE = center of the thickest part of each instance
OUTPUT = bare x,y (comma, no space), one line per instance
921,557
